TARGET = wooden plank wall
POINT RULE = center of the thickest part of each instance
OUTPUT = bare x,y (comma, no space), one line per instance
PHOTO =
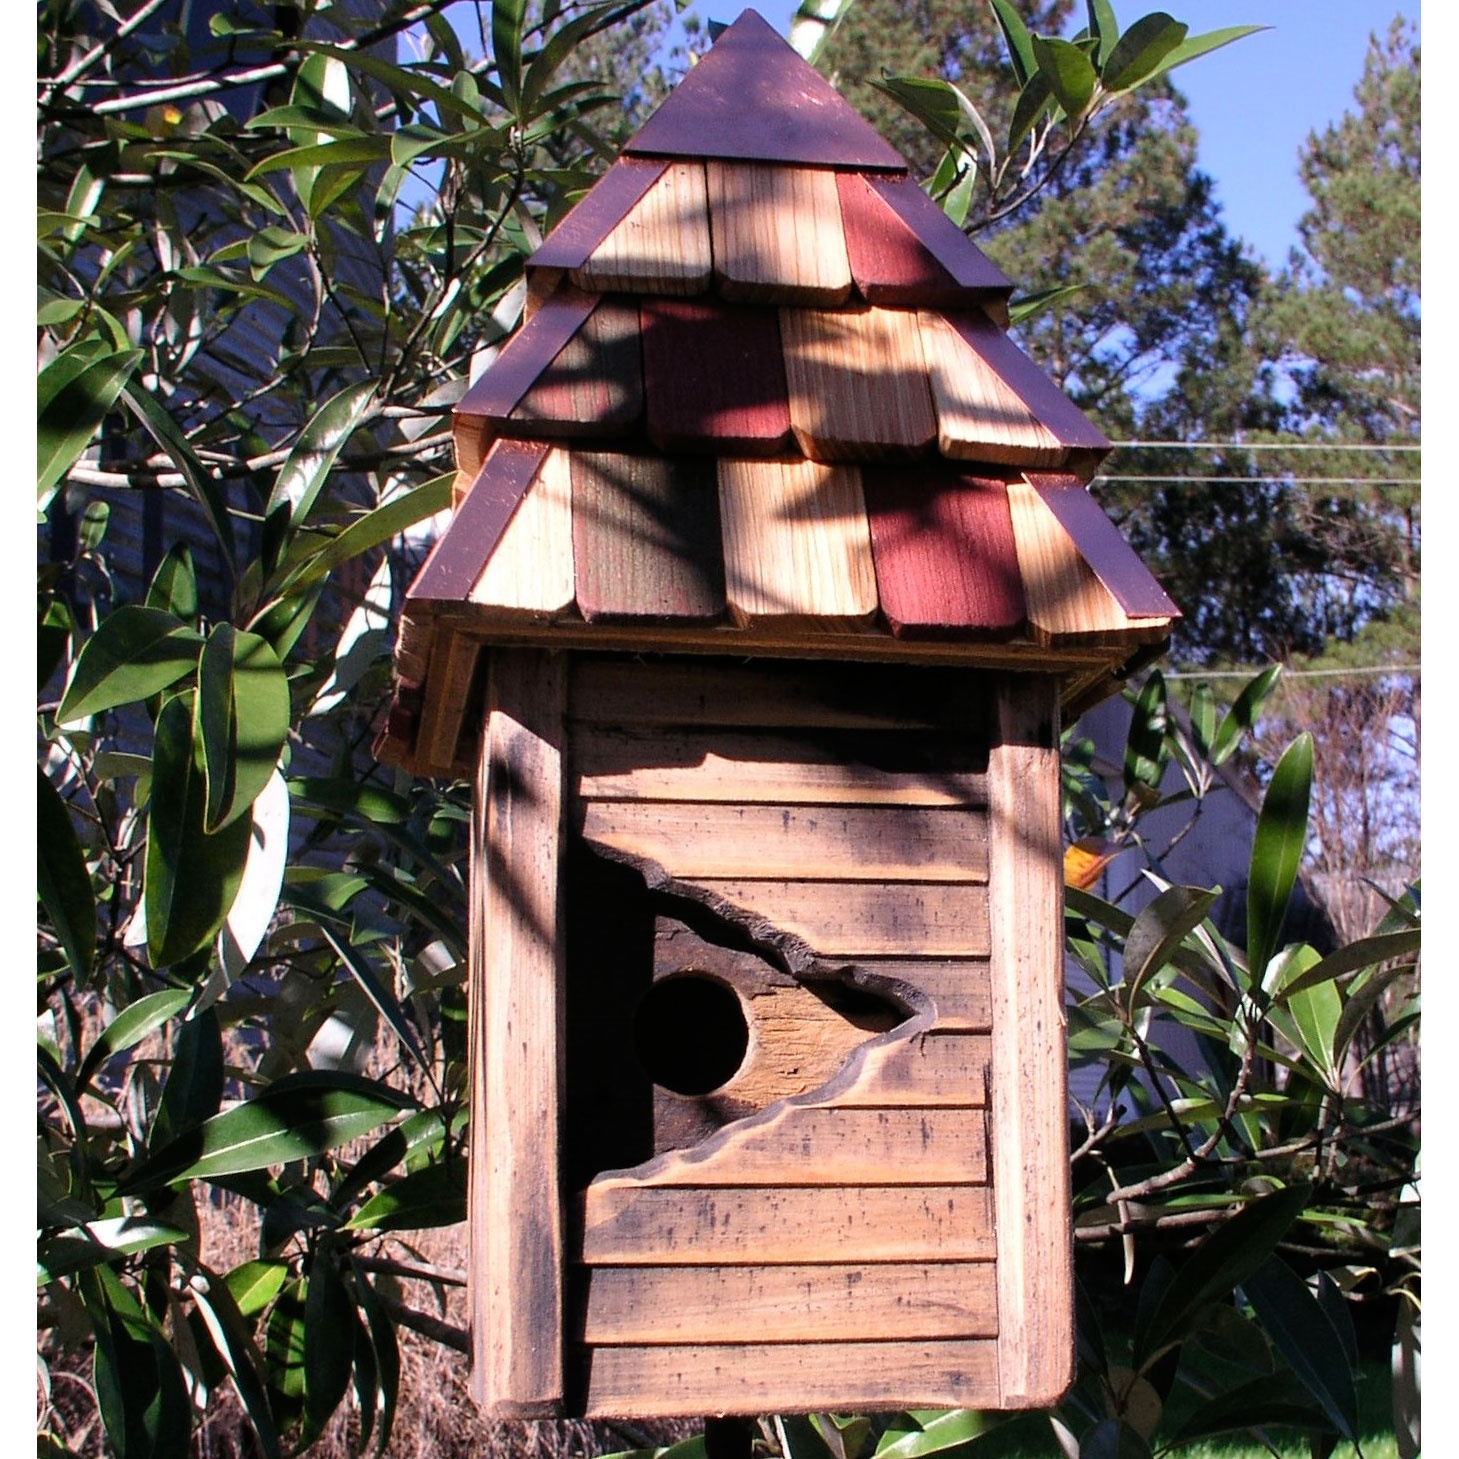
746,1273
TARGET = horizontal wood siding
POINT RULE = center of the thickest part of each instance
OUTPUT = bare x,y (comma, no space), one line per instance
847,808
635,1382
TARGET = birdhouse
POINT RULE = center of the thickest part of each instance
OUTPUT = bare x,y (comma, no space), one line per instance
771,572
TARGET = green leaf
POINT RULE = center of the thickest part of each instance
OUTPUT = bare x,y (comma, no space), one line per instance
201,485
137,652
1303,1334
130,1027
1367,952
1104,28
1159,929
1270,1401
377,526
62,881
174,586
507,18
296,1117
232,1341
377,993
363,150
194,1087
242,718
1201,45
1276,852
1147,749
272,245
92,527
189,878
1242,715
284,1342
255,1284
73,1251
1203,720
1315,1012
1033,101
948,1431
1016,37
329,1331
1027,306
1223,1260
433,1196
73,395
1069,72
342,796
302,476
387,1360
1141,49
53,636
143,1400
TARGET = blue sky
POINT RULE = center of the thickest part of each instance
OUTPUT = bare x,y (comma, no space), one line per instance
1254,102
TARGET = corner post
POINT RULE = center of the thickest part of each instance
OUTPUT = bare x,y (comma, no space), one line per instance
516,1048
1029,1097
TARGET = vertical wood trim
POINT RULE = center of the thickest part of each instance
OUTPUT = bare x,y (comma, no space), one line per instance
517,986
1029,1123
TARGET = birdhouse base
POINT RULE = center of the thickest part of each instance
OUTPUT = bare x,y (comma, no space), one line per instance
768,1057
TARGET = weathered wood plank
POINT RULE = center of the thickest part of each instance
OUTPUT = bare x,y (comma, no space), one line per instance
606,204
943,547
526,355
980,417
776,234
797,549
714,377
1030,1089
890,264
1065,600
787,1304
594,385
646,538
518,983
858,387
1112,559
924,1069
930,919
641,1382
1044,400
453,665
747,769
768,695
530,571
835,843
761,1225
456,561
958,987
820,1145
661,245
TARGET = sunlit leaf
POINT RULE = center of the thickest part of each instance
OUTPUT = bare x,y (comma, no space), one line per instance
137,652
242,720
74,392
1069,72
1138,53
189,877
293,1118
1276,852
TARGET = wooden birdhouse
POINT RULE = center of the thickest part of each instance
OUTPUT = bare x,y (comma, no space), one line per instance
771,573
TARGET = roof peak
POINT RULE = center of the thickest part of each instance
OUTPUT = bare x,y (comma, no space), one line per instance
753,98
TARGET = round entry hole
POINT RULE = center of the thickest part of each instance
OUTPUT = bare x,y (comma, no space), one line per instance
690,1033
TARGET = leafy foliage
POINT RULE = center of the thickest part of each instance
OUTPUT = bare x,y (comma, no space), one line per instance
274,242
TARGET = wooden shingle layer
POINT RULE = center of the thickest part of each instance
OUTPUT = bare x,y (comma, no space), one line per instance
764,402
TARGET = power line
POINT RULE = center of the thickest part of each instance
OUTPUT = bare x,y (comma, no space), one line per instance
1274,480
1255,446
1298,673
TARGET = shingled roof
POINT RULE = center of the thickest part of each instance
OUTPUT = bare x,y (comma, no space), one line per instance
762,402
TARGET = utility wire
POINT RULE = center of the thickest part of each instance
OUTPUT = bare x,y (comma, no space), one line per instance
1297,673
1275,480
1254,446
